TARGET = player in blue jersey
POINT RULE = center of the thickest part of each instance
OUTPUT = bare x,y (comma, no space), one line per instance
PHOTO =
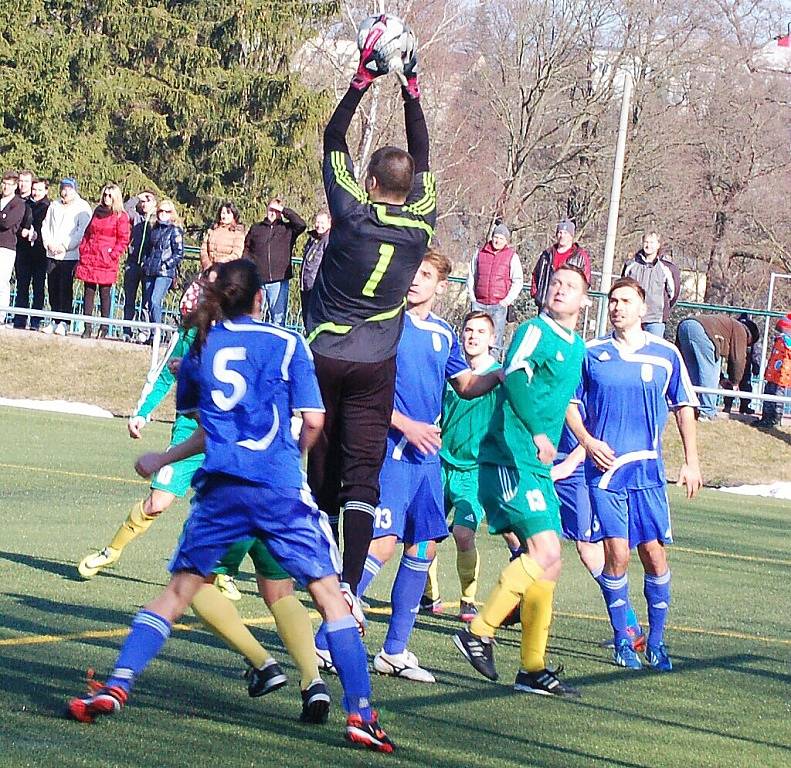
630,380
244,379
411,509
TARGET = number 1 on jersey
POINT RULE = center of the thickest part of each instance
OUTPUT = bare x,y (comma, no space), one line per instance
386,251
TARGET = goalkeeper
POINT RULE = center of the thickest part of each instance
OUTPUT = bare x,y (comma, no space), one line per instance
380,233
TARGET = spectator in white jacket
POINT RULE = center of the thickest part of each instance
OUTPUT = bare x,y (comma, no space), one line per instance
61,233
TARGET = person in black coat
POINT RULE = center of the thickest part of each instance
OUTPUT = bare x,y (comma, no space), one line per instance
163,252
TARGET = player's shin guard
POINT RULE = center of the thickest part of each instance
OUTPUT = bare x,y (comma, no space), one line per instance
515,579
148,634
222,618
536,615
358,528
136,523
348,653
431,592
405,599
467,566
657,595
370,570
296,632
615,590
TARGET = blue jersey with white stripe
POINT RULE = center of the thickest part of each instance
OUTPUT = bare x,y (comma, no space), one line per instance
428,354
248,380
568,442
627,396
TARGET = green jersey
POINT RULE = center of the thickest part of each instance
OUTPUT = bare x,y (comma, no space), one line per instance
542,371
464,422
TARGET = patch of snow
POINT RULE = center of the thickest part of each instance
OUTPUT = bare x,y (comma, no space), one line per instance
58,406
778,490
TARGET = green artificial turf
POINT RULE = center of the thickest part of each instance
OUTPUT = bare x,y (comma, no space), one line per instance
66,483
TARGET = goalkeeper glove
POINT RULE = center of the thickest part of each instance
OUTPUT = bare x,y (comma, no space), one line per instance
372,64
409,83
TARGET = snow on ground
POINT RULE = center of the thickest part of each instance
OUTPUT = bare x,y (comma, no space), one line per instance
58,406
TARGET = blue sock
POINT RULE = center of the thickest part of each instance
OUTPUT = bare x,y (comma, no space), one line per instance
616,597
148,635
351,661
321,638
408,587
631,617
657,594
370,570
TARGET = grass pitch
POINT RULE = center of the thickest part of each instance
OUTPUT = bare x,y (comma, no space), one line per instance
66,483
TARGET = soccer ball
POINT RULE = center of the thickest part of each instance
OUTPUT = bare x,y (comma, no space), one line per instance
394,48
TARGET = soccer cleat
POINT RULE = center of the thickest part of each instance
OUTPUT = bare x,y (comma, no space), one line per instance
479,651
315,703
427,605
467,612
227,587
90,565
265,680
326,664
404,664
545,683
368,733
354,607
657,658
102,700
624,656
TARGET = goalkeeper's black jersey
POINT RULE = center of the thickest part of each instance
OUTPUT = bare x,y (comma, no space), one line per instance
357,303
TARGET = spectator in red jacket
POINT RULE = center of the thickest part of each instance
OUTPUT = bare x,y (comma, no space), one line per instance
103,243
564,251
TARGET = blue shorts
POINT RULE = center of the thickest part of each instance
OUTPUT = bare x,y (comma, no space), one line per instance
226,509
411,504
577,521
638,515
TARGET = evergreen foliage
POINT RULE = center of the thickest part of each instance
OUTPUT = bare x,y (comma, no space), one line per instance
193,98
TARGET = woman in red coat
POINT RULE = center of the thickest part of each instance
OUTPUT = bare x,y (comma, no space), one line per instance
105,240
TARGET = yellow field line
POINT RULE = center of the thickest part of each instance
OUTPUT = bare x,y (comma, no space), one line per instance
731,556
268,620
69,473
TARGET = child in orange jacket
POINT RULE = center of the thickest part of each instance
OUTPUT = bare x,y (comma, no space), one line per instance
778,373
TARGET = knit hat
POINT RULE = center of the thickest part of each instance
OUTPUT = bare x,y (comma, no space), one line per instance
566,225
784,324
190,298
751,327
69,182
502,230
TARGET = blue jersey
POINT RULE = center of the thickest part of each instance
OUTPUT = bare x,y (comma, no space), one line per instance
248,380
627,396
428,354
568,442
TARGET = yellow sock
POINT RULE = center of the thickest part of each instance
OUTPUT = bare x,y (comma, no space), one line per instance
467,565
222,618
536,615
515,579
296,632
432,582
137,522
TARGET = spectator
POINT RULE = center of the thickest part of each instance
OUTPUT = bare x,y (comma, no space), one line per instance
564,251
225,240
777,374
105,239
750,370
163,253
495,280
318,237
141,210
12,213
61,233
660,278
31,257
270,244
704,342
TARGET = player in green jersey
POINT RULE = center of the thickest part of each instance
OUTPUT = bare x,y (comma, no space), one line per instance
542,372
464,423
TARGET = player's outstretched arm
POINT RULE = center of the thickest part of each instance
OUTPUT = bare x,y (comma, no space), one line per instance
469,385
150,463
312,424
601,454
690,475
565,468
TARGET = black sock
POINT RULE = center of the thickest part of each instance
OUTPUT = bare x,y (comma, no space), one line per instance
358,528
